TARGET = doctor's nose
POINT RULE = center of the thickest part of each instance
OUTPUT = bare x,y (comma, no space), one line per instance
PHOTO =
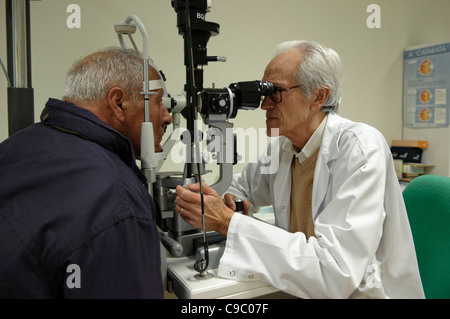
267,103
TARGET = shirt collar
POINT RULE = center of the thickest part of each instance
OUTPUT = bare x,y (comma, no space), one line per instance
313,143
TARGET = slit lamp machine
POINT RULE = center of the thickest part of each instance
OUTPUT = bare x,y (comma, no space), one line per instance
215,106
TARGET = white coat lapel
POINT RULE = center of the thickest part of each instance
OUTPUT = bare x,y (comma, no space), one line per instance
282,187
328,152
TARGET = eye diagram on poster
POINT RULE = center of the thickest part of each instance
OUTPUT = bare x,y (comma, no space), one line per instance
426,83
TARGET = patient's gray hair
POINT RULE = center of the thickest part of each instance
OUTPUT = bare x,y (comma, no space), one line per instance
91,77
320,67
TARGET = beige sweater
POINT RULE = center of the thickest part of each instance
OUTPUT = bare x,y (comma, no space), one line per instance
301,195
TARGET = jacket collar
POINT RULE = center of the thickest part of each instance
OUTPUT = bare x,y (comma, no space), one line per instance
69,118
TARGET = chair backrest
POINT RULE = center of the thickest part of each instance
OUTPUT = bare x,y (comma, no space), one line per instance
427,200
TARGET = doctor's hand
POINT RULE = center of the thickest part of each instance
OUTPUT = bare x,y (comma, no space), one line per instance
229,201
188,205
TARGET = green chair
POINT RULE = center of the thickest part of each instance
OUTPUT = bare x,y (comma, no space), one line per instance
427,200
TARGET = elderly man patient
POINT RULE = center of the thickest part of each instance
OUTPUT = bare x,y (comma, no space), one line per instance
341,225
76,219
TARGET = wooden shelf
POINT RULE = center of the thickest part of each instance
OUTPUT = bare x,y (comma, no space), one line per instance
418,164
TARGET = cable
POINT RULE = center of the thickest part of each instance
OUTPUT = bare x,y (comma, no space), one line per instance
6,73
201,265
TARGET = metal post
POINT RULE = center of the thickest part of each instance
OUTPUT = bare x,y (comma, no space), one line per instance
20,94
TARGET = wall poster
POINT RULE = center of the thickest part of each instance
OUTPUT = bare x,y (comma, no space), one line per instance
426,83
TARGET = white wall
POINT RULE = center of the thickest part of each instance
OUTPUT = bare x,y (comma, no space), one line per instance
372,58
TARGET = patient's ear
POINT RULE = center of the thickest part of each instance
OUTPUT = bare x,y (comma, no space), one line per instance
116,98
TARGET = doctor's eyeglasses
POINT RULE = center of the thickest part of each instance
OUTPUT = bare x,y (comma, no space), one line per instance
276,96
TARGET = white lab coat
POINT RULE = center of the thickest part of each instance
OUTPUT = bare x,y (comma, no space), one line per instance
363,247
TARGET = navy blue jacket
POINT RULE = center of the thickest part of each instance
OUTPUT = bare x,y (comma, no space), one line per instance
72,196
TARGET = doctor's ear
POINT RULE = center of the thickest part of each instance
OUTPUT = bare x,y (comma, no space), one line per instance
116,97
321,96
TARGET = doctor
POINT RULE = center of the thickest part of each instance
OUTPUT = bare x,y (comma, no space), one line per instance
341,226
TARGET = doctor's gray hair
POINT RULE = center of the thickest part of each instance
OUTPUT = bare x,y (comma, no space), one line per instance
91,77
320,67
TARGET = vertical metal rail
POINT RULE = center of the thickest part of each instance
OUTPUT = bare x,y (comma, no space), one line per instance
20,93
